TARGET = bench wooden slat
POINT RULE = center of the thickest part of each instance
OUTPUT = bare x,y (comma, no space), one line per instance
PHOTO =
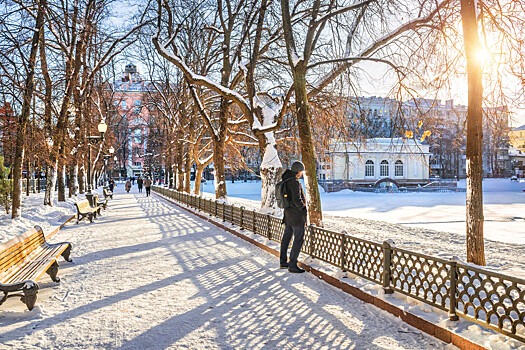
12,255
41,257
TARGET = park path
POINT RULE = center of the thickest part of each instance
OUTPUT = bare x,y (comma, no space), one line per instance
149,275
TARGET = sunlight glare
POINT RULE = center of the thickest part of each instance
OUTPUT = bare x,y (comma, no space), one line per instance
483,56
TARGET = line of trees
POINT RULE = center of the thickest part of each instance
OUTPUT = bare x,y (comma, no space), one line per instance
237,77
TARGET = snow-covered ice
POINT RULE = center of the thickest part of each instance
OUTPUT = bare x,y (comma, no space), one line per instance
148,275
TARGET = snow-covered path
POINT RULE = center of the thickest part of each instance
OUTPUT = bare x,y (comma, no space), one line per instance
148,275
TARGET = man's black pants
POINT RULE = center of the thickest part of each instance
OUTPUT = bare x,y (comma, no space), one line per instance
298,238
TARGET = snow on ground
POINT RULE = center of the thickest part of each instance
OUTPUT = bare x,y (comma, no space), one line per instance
431,223
35,213
148,275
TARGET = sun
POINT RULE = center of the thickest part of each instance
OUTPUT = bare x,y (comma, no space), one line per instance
482,56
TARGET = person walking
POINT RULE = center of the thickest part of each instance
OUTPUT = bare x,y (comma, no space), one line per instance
128,185
140,182
147,185
294,218
111,185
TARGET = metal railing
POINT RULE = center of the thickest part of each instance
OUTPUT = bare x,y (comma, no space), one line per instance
491,299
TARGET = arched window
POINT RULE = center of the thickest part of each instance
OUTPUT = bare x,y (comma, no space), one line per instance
399,168
383,169
369,168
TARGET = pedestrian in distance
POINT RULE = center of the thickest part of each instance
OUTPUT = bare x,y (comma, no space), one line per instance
128,185
111,184
294,218
140,182
147,185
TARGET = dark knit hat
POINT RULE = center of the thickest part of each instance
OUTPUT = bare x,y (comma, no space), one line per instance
297,166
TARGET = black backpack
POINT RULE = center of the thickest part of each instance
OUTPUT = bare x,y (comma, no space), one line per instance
281,195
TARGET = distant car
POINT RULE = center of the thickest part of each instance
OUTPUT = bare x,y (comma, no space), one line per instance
514,178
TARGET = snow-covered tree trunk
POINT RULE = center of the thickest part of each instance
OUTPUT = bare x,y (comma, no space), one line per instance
51,180
73,180
271,169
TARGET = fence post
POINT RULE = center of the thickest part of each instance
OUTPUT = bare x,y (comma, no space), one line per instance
452,296
216,207
254,226
242,221
387,259
223,212
268,228
343,257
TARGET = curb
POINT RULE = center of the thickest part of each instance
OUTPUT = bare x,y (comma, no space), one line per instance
423,325
55,231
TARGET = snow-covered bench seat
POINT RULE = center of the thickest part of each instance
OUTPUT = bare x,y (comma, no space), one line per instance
86,210
24,259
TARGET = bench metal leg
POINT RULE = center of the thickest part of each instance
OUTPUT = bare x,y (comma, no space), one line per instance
66,253
53,271
30,294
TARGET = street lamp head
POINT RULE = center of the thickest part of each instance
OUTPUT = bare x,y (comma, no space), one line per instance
102,127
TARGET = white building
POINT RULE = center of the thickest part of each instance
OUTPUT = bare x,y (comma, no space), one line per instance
398,160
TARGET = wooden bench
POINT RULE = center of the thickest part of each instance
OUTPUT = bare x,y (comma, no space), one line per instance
24,259
99,201
107,193
86,210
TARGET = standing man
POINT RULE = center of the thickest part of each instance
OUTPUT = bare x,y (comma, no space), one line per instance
139,184
147,185
294,217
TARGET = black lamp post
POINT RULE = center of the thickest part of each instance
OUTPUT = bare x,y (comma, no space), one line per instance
93,140
106,168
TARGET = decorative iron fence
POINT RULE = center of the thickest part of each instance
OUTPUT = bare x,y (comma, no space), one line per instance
493,300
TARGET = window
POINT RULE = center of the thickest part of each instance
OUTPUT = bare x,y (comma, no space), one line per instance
136,110
139,164
137,103
383,169
369,168
123,104
137,136
399,168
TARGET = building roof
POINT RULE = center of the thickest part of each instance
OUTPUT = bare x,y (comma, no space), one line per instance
519,128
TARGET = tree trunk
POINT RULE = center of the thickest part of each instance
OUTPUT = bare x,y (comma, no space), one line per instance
315,214
81,180
16,207
271,170
198,179
61,181
187,171
474,217
51,179
73,181
218,164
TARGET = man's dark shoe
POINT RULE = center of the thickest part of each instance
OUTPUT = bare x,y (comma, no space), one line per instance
283,266
295,269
